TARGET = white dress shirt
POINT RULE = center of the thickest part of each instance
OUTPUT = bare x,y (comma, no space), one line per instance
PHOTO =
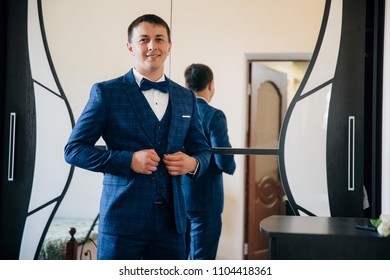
157,100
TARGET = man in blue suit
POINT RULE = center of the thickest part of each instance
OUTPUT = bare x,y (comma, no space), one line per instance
204,196
147,122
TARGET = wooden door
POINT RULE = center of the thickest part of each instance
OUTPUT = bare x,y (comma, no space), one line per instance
265,195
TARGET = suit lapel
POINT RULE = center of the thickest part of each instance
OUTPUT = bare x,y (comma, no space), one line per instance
182,109
175,117
137,100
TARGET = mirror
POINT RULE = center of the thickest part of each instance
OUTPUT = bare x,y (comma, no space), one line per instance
89,46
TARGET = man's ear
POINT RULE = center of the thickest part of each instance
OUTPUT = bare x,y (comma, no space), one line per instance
130,47
211,85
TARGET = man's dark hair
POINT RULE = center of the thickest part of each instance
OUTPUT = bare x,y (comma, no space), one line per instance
150,18
198,76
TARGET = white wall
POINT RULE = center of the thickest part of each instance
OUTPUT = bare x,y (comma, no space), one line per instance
87,42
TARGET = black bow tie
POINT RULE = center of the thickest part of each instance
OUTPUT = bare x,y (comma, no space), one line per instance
147,85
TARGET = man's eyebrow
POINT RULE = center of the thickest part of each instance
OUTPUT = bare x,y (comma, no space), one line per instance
145,36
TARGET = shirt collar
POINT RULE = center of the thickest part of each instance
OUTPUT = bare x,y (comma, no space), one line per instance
202,98
138,77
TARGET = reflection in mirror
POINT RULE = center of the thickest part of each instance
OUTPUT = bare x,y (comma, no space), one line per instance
273,84
294,69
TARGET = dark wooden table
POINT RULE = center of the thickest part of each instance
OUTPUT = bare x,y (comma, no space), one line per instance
323,238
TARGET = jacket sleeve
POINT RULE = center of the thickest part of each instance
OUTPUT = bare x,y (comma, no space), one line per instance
80,150
219,138
196,144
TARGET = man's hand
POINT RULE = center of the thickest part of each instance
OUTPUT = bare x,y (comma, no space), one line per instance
145,161
179,163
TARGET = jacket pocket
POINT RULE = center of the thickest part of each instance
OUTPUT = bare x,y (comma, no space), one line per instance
110,179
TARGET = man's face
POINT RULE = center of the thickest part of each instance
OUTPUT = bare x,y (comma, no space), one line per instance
150,46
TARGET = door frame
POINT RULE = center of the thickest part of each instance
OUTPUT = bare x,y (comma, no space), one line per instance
249,58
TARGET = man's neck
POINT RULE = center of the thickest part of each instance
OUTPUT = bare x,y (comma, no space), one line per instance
204,95
154,76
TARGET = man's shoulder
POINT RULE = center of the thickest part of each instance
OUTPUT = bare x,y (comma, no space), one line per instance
113,81
206,106
119,81
212,114
179,87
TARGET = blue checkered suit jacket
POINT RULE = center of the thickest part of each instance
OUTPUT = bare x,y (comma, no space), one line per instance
113,112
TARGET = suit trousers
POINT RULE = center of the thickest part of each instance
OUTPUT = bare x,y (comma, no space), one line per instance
159,240
202,236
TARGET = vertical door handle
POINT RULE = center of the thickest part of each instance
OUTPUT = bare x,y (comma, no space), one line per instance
351,153
11,151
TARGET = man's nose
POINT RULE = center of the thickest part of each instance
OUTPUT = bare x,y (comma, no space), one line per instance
151,45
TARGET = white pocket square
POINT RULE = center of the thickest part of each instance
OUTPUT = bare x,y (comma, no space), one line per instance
186,116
